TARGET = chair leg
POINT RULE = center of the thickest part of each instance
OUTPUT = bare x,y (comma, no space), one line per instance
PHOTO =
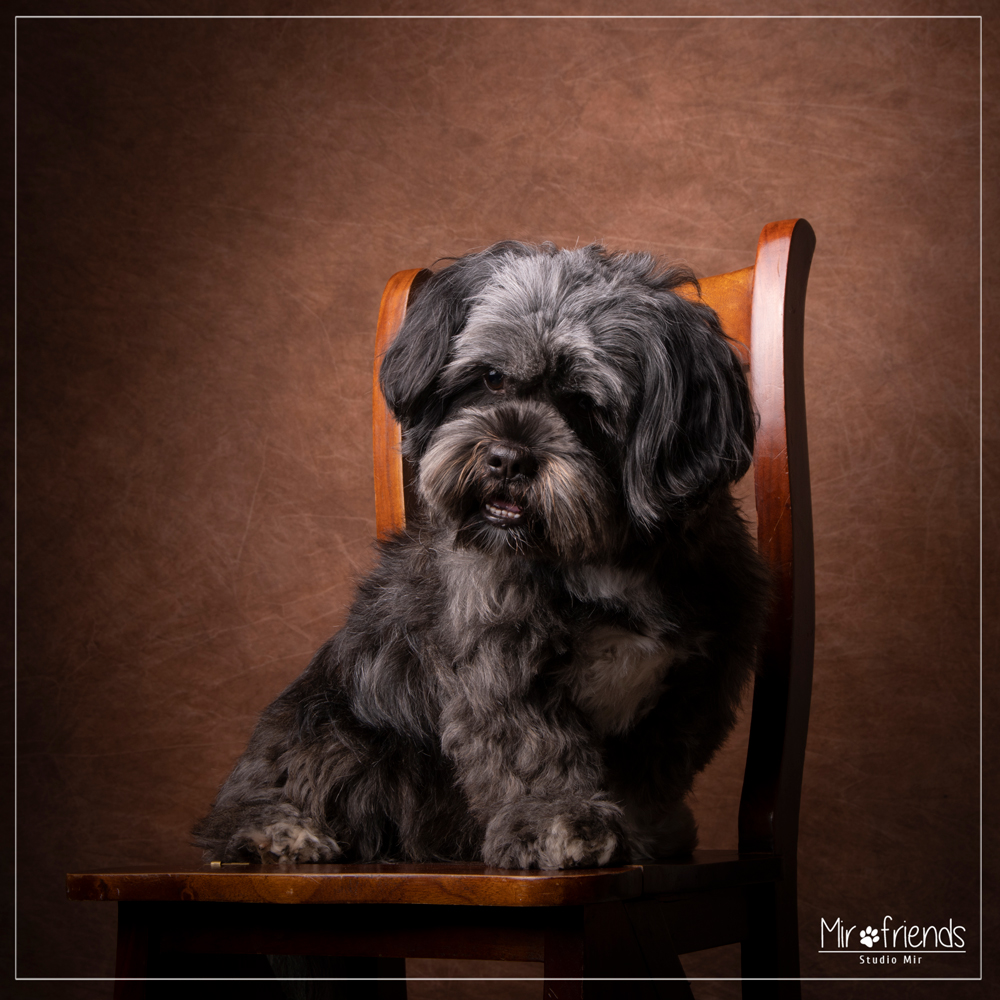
138,957
391,974
771,946
652,932
564,950
132,956
325,977
610,952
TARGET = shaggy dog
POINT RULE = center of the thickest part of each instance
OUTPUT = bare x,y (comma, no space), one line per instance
558,642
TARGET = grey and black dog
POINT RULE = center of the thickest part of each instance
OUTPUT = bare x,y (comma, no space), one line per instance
558,643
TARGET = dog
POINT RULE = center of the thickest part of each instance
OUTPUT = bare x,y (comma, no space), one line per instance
559,640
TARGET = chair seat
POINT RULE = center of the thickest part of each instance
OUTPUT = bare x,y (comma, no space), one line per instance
440,884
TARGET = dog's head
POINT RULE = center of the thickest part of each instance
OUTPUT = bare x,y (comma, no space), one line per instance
556,401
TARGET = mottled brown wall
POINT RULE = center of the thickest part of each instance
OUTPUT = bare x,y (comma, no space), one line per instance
208,211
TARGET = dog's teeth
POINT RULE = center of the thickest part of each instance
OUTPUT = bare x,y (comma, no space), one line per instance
503,512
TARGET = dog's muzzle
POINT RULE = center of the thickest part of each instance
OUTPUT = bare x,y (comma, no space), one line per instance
516,477
509,469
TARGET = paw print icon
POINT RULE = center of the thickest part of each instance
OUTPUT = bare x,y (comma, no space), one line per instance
869,936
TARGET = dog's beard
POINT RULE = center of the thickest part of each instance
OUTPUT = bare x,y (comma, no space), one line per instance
562,510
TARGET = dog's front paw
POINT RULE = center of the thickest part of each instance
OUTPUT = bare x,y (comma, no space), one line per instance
290,838
564,833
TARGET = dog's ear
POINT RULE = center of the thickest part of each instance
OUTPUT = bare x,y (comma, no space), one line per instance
411,366
695,425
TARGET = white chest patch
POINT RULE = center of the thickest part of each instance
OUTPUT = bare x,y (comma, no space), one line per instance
616,677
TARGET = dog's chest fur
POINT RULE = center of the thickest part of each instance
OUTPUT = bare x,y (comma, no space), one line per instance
617,676
617,658
618,672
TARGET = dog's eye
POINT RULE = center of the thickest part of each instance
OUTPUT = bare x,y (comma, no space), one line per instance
495,380
579,404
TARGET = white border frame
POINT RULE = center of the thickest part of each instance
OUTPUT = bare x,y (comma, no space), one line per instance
530,17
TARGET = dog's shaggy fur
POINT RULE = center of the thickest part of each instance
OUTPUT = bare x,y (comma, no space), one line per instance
557,643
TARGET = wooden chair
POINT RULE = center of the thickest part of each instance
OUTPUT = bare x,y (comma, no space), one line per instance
586,926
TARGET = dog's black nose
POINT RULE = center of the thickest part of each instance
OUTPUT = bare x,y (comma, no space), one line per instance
506,461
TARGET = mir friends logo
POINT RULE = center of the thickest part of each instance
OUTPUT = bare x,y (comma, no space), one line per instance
892,943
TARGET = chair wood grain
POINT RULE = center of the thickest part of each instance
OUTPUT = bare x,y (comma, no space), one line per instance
438,884
731,296
780,718
392,473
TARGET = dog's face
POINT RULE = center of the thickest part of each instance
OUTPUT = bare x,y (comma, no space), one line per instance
557,402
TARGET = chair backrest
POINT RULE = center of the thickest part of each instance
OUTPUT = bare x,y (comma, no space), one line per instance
760,307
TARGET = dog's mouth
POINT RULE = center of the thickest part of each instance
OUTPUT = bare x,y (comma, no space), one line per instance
505,513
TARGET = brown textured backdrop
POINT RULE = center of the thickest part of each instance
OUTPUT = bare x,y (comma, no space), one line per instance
207,212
